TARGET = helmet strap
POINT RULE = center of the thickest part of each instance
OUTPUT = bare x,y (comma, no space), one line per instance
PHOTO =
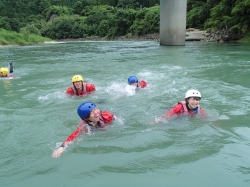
89,122
76,88
187,104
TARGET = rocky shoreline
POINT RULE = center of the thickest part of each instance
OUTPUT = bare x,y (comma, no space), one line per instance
148,37
191,35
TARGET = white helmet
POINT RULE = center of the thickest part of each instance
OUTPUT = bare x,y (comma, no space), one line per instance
192,93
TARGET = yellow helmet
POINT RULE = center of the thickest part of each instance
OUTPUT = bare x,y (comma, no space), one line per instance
4,71
77,78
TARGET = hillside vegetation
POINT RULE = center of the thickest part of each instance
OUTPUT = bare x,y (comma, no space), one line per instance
38,20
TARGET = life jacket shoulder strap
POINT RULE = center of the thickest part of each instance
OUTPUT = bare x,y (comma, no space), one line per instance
84,88
184,106
84,127
73,88
75,91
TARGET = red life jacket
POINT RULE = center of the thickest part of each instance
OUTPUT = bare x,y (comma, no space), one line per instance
76,92
105,118
142,84
185,109
9,75
102,122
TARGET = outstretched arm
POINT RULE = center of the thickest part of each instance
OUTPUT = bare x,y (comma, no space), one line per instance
11,67
90,88
70,91
58,151
73,136
177,109
143,84
108,117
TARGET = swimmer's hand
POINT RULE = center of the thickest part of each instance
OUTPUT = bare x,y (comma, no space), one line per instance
159,119
57,152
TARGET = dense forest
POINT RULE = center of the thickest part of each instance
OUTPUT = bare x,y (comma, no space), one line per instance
62,19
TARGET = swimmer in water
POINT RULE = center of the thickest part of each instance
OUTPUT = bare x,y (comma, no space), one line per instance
189,107
92,119
4,72
79,87
133,81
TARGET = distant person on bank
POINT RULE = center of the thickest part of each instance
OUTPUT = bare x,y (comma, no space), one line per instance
79,87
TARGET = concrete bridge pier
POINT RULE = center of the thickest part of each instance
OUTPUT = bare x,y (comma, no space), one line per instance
173,22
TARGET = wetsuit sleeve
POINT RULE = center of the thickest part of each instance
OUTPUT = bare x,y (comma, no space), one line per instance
143,84
74,135
90,88
70,91
107,116
177,109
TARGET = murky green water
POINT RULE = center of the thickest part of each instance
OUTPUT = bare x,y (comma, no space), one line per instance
36,115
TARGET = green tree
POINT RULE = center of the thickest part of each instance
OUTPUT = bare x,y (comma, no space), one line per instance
30,29
241,16
65,27
146,21
221,15
57,10
4,23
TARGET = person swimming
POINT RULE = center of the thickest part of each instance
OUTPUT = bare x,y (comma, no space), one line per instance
188,107
133,81
79,87
92,118
4,72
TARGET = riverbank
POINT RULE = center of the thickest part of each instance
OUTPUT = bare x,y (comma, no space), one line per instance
147,37
191,35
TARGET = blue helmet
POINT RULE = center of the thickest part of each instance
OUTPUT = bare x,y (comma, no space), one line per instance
85,108
132,80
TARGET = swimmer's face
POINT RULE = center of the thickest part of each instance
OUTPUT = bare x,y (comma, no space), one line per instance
193,102
78,85
94,115
1,75
135,84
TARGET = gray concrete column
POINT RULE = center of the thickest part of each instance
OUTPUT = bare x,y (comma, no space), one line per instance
173,22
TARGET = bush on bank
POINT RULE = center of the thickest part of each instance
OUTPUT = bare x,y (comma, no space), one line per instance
246,38
14,38
103,21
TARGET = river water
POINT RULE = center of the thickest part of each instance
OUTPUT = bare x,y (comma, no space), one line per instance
36,115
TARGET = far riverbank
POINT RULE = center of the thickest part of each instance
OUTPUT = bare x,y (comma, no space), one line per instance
191,35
